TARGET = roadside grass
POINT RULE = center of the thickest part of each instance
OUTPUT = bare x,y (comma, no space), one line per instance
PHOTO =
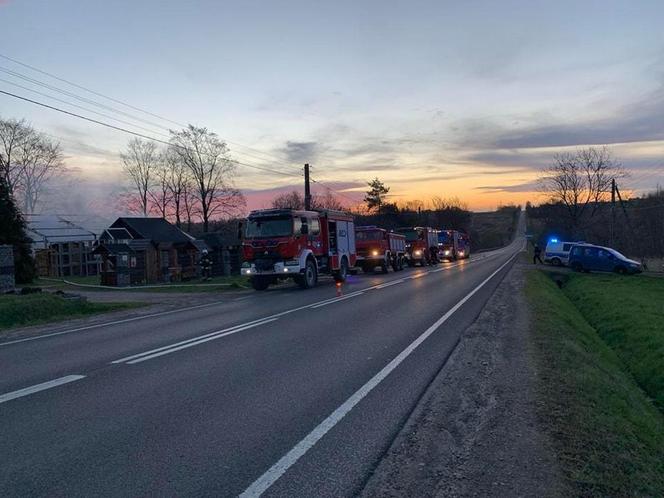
628,314
33,309
607,434
217,284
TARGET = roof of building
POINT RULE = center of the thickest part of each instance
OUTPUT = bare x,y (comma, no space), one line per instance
113,249
155,229
52,229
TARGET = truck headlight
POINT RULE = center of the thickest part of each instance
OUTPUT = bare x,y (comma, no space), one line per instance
447,252
374,253
417,253
460,253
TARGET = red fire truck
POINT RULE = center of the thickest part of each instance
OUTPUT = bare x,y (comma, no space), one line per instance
286,243
378,247
453,244
421,245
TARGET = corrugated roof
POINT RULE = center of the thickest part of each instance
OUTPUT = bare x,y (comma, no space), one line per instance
51,229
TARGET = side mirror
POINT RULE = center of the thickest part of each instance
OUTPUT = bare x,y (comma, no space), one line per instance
304,230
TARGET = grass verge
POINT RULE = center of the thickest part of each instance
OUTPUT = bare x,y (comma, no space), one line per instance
217,284
608,436
628,314
33,309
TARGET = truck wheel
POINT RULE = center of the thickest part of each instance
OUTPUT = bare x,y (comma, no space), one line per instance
384,266
310,276
395,263
342,274
401,264
260,283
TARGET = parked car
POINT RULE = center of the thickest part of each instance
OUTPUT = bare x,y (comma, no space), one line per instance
587,257
557,252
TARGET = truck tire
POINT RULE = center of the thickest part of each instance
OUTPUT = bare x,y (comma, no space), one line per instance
384,265
341,275
309,278
401,263
395,263
260,283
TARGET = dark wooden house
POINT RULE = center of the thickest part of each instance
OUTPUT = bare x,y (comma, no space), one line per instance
137,251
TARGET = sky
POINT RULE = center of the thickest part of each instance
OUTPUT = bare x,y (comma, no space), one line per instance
436,98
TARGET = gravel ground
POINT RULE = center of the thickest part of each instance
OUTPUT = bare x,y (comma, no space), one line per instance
475,432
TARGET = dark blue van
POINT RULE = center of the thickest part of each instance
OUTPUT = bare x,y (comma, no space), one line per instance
587,257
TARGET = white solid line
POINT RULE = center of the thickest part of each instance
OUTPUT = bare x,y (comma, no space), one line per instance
197,338
336,300
260,485
391,282
190,344
40,387
116,322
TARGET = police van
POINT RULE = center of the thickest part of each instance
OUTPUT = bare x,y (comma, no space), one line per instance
557,252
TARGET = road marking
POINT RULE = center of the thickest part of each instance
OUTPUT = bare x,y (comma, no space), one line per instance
179,310
116,322
171,348
336,300
40,387
392,282
264,482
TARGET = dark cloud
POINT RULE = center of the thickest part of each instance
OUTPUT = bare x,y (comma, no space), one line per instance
532,186
639,122
300,152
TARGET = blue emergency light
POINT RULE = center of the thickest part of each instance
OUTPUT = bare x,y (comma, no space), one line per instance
554,241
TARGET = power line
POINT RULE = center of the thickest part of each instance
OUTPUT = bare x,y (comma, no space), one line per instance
131,132
82,108
354,201
76,85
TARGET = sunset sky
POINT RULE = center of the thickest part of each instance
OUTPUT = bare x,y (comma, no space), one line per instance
466,99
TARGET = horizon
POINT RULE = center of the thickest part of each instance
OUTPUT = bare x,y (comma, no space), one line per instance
441,100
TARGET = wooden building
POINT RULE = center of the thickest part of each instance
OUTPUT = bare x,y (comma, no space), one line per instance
136,251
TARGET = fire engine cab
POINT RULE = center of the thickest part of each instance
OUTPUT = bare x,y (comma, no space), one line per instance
378,247
421,245
287,243
453,244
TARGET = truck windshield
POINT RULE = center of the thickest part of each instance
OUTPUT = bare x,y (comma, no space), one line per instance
269,227
368,235
411,235
444,238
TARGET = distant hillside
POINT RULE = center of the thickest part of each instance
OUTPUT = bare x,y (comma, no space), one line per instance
494,228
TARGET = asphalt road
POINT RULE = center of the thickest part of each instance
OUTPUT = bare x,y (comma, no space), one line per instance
285,392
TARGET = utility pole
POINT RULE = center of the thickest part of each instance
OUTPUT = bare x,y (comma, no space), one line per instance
307,188
613,210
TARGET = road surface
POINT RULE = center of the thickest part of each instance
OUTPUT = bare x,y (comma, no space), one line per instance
281,393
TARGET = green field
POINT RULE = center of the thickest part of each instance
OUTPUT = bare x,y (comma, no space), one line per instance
39,308
607,433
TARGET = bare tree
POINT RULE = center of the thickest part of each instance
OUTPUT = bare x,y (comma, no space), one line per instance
12,134
140,162
327,201
580,181
289,200
180,183
207,157
40,161
161,197
28,161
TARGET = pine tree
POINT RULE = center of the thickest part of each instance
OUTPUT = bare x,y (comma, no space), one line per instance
12,232
375,197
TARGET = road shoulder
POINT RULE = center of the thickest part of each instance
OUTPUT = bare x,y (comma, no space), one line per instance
475,431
